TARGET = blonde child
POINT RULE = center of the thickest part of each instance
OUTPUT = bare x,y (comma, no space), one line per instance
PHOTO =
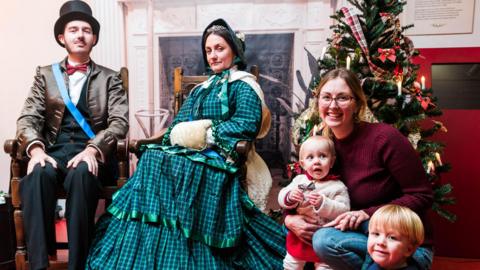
316,194
395,232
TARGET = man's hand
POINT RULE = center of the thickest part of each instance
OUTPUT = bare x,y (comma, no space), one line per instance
89,156
302,226
38,156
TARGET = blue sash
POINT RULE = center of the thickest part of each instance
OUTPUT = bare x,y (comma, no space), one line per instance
68,102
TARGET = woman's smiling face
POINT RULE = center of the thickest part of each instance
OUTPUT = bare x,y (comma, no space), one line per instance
219,54
337,107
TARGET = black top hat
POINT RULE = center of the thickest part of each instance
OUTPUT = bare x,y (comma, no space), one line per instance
237,45
75,10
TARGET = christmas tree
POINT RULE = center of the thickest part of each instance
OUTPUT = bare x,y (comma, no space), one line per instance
368,39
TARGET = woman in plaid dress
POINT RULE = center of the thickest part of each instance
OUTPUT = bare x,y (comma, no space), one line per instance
184,207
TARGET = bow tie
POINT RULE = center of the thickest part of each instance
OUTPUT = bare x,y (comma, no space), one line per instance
305,187
72,69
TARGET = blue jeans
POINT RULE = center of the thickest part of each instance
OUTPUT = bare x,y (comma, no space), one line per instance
348,249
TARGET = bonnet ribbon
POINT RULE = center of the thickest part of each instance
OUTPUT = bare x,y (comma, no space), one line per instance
222,95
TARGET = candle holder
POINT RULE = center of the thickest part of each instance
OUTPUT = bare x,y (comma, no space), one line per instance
151,121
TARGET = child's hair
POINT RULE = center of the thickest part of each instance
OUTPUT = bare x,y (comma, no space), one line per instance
317,139
401,218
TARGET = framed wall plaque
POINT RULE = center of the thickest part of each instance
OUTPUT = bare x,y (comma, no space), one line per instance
440,17
273,54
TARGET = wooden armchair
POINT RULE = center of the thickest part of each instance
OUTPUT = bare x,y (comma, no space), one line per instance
18,170
182,85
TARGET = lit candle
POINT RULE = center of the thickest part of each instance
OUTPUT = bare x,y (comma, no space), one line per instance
348,62
324,50
437,156
399,87
430,167
423,82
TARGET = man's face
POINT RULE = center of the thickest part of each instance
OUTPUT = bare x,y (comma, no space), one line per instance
78,38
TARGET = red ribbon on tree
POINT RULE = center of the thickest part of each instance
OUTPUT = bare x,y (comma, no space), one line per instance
354,23
294,169
398,71
387,54
424,101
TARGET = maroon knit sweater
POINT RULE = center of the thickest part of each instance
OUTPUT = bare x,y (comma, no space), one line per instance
379,166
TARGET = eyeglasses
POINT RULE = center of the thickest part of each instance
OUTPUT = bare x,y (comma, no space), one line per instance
342,101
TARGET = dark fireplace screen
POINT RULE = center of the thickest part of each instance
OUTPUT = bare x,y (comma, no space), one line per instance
272,53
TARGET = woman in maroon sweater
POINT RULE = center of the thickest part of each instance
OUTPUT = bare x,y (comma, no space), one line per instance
377,164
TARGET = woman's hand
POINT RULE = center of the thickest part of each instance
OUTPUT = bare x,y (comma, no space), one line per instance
348,220
302,226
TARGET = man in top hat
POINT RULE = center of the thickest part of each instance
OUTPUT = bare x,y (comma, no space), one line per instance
70,123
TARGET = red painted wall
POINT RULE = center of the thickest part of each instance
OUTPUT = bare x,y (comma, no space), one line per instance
462,151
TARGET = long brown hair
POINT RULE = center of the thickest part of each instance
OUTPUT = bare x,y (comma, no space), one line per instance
353,83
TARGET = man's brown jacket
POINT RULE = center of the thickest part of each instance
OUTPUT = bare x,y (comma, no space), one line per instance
43,110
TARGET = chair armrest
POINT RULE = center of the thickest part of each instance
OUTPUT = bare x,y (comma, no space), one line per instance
10,147
122,150
122,158
134,145
18,168
242,148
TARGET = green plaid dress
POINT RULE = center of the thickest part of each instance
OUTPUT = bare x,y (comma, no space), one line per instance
185,209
